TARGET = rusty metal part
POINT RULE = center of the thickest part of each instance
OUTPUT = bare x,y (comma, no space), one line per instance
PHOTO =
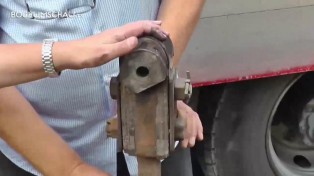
145,67
144,93
172,108
147,90
149,166
183,89
180,126
112,128
114,88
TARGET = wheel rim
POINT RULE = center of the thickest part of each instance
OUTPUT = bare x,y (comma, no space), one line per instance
290,134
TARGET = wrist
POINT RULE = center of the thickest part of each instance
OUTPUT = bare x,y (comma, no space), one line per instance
75,170
63,52
84,169
48,58
69,165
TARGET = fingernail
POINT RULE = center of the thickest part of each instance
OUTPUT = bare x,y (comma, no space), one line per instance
201,137
163,35
159,34
166,33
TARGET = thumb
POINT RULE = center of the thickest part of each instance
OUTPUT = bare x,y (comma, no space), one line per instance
124,47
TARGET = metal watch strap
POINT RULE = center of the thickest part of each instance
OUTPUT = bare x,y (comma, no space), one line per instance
47,58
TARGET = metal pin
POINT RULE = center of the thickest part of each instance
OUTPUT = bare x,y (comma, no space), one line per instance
188,75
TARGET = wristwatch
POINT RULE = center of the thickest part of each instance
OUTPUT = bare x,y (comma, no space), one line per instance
47,58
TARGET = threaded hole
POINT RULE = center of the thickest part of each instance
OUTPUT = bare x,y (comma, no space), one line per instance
142,71
302,161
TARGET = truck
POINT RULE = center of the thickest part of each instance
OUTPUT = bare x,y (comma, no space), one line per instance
251,64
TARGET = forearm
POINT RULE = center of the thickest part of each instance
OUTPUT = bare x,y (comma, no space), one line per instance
23,130
180,18
20,63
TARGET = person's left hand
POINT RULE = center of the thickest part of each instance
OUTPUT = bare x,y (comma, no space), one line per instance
194,128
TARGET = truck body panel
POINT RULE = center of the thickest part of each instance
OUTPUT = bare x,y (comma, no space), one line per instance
248,39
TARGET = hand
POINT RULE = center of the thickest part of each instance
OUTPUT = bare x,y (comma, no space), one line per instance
194,128
87,170
103,47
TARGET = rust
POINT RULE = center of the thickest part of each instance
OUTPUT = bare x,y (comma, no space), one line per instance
180,126
147,123
112,128
149,166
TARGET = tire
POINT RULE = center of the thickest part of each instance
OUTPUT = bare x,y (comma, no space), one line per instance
238,142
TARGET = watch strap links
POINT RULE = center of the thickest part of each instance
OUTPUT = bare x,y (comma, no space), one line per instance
47,58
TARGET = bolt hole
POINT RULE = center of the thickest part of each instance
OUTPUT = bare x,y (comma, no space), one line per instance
302,161
142,71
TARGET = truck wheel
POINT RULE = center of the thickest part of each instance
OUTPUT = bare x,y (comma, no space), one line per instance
264,128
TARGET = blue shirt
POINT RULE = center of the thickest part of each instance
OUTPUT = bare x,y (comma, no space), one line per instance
77,104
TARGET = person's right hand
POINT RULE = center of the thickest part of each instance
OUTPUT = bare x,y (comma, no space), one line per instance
103,47
87,170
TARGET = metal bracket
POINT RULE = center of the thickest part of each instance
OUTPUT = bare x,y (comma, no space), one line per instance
147,90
